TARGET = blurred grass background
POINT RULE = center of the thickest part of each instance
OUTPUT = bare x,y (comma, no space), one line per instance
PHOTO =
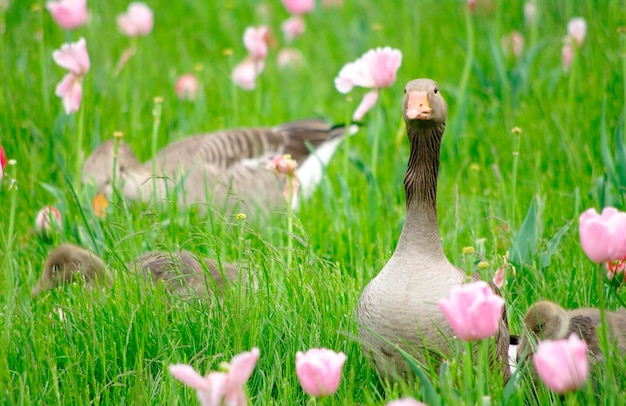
114,348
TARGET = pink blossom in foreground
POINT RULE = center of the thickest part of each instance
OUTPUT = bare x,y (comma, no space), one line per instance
220,388
319,370
603,236
47,221
405,402
293,27
299,6
244,74
75,59
69,14
289,58
473,310
187,86
577,30
137,21
376,69
255,40
562,364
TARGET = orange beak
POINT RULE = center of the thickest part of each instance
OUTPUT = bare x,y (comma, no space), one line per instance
417,106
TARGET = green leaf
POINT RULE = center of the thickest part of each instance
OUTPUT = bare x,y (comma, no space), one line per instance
620,157
605,151
553,244
524,244
430,394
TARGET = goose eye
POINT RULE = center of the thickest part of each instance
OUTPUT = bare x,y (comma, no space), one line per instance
436,90
404,90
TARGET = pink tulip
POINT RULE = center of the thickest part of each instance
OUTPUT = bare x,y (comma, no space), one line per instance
244,75
73,57
293,27
562,364
319,371
603,236
283,164
255,41
69,14
376,69
471,4
3,158
299,6
220,388
513,43
289,57
567,56
70,90
405,402
498,278
138,20
473,310
47,221
187,86
577,30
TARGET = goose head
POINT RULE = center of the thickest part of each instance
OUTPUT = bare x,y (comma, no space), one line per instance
423,106
98,168
546,321
68,263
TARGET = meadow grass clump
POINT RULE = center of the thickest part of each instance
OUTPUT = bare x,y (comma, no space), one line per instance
499,191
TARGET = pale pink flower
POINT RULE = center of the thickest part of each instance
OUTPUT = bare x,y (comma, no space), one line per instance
220,388
289,58
244,75
530,12
498,278
73,57
293,27
567,56
283,164
577,30
473,310
471,4
405,402
70,90
138,20
513,43
562,364
69,14
187,86
255,40
367,102
376,69
47,221
319,370
603,236
299,6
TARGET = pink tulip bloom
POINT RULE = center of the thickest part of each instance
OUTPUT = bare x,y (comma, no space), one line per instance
187,86
577,30
3,158
69,14
319,371
498,278
73,57
405,402
47,221
376,69
299,6
220,388
513,43
255,41
603,236
567,56
244,75
473,310
471,4
293,27
562,364
138,20
70,90
283,164
289,58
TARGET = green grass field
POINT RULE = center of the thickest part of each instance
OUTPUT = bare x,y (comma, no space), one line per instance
114,347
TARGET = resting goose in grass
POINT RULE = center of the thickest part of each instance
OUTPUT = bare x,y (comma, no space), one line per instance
400,303
546,320
180,271
228,167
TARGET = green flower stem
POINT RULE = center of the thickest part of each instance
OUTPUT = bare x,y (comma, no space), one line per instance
290,192
604,341
80,135
516,132
156,123
468,368
375,144
9,270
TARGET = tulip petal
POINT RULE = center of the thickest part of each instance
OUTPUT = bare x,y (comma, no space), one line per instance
368,101
187,375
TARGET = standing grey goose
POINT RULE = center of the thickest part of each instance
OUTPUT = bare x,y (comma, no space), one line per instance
400,303
228,167
180,271
545,320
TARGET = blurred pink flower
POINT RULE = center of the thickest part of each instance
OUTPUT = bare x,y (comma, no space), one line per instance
3,158
577,30
283,164
473,310
498,278
255,40
220,388
69,14
47,221
73,57
244,75
567,55
562,364
616,268
138,20
471,4
293,27
187,86
299,6
405,402
513,43
376,69
530,12
603,236
289,58
319,370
